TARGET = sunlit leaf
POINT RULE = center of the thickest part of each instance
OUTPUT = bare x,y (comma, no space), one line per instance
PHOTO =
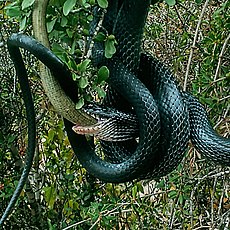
68,6
50,25
101,92
171,2
83,82
50,195
80,103
100,37
27,3
83,65
110,48
23,23
102,74
102,3
13,11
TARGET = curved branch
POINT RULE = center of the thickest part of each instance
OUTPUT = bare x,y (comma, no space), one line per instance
56,88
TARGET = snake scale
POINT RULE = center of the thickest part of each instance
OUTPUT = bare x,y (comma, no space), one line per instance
165,116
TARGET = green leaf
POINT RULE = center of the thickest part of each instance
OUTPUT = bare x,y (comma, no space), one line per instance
70,33
64,21
56,48
27,3
50,25
72,64
161,184
198,1
171,2
73,47
111,37
51,227
50,195
51,135
83,82
23,23
83,65
102,3
181,199
68,6
13,11
100,37
103,74
59,51
11,139
92,2
134,191
85,32
172,194
110,48
80,103
101,92
140,187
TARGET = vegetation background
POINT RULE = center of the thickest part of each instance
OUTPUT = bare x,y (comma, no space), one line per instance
192,38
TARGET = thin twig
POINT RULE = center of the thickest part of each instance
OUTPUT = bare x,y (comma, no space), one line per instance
224,98
103,213
221,56
95,223
225,115
219,79
212,201
202,227
193,45
78,223
222,197
178,15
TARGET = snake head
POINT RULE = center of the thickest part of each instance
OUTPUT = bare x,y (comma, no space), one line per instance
112,125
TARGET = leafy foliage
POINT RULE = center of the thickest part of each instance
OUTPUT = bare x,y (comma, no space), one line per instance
59,192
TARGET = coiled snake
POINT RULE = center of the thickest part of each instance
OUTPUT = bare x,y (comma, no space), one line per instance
181,115
167,117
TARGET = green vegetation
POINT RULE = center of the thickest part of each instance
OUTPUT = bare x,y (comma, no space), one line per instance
60,193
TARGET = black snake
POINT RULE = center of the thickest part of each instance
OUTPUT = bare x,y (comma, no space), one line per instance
167,117
181,115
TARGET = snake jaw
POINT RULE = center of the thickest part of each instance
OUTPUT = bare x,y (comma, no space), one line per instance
98,131
83,130
112,125
109,129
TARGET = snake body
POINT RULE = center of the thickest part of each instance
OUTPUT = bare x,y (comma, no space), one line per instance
205,139
178,110
167,117
182,116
